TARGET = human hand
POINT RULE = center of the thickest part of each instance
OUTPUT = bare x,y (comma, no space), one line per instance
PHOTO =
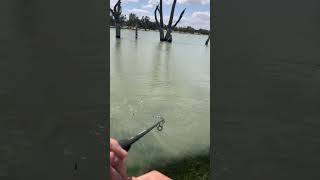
118,169
153,175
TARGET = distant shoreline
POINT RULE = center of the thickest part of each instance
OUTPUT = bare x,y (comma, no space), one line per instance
142,29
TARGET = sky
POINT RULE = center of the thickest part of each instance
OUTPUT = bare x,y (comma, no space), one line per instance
197,14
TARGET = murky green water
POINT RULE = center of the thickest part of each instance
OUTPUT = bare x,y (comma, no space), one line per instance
153,78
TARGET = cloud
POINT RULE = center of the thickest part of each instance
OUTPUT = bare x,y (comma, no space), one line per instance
201,15
153,2
113,2
169,2
138,11
156,2
147,6
194,1
197,20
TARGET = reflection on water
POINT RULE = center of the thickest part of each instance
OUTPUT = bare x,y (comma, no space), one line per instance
150,78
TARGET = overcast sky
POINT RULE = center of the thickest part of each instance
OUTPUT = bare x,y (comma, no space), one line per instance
197,14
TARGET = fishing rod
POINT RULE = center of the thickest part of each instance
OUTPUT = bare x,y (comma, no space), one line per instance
126,143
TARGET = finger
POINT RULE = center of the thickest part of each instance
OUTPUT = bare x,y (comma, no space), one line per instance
115,146
117,149
114,175
153,175
118,165
113,158
121,168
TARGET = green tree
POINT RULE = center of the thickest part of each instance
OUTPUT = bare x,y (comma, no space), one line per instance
123,19
190,29
145,21
133,20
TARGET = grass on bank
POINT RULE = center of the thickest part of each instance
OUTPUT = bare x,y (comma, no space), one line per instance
188,168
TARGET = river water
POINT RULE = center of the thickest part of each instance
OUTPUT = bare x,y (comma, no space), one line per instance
149,77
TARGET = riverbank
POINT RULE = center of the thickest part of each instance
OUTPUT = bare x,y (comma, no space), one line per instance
189,168
142,29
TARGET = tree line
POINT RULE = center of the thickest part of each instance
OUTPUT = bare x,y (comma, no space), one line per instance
165,31
145,23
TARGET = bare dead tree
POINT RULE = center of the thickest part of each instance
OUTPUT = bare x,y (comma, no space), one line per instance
136,31
170,27
207,41
116,13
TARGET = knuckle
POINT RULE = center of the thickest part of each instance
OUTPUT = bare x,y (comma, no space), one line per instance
114,142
